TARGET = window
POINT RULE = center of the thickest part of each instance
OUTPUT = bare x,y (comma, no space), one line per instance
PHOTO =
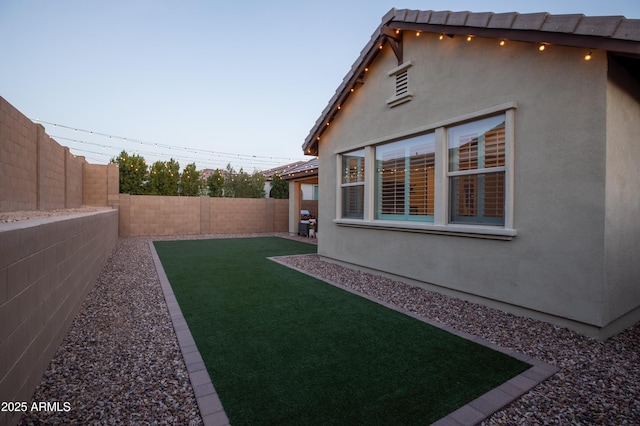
353,185
477,172
405,179
454,177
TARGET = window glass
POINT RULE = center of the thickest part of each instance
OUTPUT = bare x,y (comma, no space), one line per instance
477,145
476,172
405,179
353,202
353,184
353,167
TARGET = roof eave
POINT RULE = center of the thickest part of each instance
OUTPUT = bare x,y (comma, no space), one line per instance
508,26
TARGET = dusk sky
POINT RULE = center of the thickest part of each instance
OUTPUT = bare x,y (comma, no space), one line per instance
206,81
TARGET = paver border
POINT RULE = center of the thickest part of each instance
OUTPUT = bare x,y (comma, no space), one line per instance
211,409
474,412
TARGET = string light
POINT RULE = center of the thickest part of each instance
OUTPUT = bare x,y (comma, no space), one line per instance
501,42
204,158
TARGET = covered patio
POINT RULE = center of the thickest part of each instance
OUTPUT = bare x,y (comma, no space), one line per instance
299,176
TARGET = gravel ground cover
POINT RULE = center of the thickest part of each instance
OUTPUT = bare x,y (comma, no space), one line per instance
9,217
120,362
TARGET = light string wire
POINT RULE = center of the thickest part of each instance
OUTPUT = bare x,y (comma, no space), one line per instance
223,158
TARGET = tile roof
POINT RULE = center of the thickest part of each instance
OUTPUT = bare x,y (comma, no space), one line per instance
615,34
281,170
615,27
306,169
294,170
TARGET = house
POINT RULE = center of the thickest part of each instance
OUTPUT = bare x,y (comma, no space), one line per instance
286,170
493,157
303,191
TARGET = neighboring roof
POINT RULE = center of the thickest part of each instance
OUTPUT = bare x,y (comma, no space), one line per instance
615,34
304,170
282,169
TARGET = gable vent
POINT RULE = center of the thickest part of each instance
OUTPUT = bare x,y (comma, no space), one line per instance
402,85
402,93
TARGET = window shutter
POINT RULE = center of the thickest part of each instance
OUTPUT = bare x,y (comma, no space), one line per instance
421,181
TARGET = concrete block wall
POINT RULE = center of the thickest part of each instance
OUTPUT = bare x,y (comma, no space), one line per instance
311,205
100,185
51,173
18,160
162,215
47,267
247,215
159,215
74,178
37,173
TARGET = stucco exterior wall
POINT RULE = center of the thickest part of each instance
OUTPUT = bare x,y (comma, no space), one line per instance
622,217
47,267
554,267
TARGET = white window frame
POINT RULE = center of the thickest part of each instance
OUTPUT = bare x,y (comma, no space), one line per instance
440,224
343,185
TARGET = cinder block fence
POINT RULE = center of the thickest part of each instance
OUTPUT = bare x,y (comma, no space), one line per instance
47,267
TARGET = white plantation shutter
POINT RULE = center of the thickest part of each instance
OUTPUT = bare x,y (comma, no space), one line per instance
405,179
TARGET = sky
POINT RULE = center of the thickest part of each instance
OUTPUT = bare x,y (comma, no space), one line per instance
210,82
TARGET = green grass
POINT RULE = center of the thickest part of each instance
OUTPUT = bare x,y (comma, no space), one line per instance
283,348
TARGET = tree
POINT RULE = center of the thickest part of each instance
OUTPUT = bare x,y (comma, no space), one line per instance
243,185
190,181
164,177
215,183
230,182
257,185
279,187
133,173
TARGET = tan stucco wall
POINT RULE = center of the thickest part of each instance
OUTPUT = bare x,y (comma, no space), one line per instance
554,267
47,267
622,217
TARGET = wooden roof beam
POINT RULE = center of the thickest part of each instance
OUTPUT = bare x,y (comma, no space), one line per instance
395,41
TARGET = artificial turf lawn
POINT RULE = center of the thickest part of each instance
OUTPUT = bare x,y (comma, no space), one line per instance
283,348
